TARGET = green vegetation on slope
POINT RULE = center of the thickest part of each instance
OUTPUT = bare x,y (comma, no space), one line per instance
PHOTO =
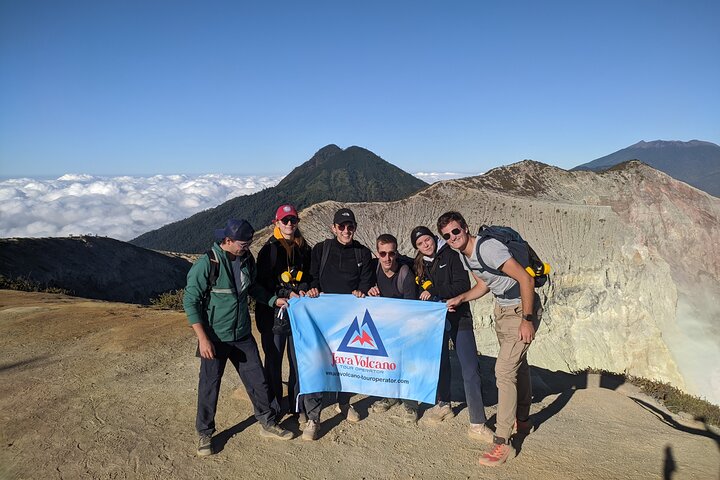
351,175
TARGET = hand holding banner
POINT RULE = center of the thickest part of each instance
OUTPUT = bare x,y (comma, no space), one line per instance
374,346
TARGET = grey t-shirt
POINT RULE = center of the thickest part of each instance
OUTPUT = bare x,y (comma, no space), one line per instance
494,253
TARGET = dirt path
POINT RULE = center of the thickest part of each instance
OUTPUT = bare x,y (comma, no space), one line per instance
107,391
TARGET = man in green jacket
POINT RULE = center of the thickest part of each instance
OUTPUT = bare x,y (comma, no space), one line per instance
218,313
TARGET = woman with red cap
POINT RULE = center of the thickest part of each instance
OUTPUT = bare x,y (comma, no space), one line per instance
283,268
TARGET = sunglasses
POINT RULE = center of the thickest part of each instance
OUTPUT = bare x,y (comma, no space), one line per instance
293,220
454,231
350,227
387,254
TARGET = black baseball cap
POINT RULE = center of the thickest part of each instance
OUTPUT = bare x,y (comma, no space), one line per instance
344,215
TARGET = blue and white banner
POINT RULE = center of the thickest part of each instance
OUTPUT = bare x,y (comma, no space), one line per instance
373,345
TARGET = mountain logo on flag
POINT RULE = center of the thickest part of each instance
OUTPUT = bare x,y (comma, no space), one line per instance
363,339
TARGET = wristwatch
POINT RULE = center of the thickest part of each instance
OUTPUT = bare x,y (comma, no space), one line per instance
530,317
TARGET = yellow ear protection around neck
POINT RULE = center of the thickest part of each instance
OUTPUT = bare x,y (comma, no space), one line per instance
292,275
424,283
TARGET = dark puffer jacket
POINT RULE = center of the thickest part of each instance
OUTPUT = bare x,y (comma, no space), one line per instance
450,279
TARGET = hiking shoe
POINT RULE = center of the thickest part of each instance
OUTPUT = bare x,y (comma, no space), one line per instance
438,413
497,454
205,446
349,411
523,427
384,404
480,431
301,419
310,430
409,414
275,431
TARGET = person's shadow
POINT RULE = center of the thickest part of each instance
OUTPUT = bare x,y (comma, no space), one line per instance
222,438
544,383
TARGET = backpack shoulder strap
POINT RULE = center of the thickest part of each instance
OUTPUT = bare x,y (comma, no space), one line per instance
478,241
273,254
400,278
323,258
214,270
358,260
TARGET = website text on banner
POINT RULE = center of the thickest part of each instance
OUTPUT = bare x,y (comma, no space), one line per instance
375,346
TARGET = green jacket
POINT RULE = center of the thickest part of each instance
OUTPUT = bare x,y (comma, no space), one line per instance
226,317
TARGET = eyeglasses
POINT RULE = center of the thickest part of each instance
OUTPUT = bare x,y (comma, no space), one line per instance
387,254
244,245
293,220
349,225
454,231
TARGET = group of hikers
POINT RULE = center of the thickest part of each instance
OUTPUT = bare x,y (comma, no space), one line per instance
216,303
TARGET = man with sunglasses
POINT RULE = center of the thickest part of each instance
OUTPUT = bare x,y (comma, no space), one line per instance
342,265
517,313
393,281
216,304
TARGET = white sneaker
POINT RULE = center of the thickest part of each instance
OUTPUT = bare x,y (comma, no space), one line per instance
480,431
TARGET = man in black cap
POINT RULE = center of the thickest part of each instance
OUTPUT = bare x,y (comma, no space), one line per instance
342,265
216,304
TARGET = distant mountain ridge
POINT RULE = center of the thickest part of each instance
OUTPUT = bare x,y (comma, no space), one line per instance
93,267
351,175
696,163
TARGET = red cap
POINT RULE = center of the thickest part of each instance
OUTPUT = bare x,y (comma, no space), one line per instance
285,211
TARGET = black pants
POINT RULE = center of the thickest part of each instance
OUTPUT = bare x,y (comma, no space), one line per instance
273,346
244,356
466,350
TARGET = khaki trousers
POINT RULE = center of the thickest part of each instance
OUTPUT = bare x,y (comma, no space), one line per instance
512,372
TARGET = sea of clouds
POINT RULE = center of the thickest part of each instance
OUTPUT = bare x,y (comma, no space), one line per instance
121,207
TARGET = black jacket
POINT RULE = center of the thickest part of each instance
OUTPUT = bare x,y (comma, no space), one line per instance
450,279
268,275
348,267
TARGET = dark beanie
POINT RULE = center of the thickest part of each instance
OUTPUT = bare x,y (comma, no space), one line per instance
418,232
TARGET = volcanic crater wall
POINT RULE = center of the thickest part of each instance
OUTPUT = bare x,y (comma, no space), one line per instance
635,255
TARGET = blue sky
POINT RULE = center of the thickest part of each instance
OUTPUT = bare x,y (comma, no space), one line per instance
145,87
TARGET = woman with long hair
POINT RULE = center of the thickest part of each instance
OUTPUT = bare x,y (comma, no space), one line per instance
441,275
284,268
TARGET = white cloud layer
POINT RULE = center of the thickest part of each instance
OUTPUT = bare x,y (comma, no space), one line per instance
118,207
122,207
432,177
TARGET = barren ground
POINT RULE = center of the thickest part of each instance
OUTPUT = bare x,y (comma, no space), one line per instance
103,390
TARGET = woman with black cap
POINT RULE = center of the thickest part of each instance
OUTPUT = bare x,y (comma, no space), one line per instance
440,276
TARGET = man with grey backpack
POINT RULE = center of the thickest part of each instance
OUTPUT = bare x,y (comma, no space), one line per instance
517,315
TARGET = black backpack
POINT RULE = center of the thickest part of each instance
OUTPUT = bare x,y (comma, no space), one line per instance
519,249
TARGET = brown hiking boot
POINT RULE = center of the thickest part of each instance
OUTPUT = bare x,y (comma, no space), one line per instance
350,413
438,413
384,404
276,432
205,445
310,431
497,454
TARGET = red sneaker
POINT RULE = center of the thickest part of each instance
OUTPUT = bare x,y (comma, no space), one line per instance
497,455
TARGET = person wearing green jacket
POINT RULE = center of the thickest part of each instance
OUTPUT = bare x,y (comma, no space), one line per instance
216,305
